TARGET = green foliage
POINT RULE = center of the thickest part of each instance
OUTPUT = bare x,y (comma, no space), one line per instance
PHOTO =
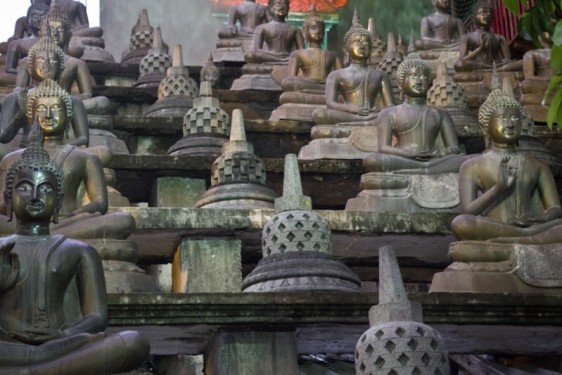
545,16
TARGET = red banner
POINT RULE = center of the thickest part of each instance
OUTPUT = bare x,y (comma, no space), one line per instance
322,6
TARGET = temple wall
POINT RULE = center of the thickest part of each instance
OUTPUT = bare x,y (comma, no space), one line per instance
186,22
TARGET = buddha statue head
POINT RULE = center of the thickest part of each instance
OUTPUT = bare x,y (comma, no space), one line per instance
414,76
313,27
210,72
51,106
442,5
482,13
35,13
358,41
57,26
45,60
34,174
279,9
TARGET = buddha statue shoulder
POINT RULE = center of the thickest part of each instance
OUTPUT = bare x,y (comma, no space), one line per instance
51,275
248,15
440,30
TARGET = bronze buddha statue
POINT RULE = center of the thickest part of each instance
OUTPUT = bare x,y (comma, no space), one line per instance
440,30
248,15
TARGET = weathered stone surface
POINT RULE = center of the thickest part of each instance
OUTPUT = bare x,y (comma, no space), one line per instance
177,191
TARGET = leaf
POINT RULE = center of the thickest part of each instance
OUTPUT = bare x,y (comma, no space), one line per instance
556,59
554,110
554,82
557,35
512,5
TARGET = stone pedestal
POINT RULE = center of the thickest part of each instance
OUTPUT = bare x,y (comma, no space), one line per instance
245,353
233,50
406,193
265,77
208,266
294,111
177,191
477,85
180,365
433,57
340,142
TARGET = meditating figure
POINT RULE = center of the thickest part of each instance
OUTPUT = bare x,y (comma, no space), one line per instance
77,16
53,304
275,40
364,89
426,141
507,195
249,15
45,61
440,30
314,62
19,47
480,49
83,176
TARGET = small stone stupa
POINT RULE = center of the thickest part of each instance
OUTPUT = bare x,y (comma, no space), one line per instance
206,127
176,91
140,41
154,65
389,65
238,175
379,47
297,247
398,341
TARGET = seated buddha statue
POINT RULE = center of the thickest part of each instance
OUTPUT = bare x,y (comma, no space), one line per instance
275,40
364,89
53,108
537,72
45,61
75,72
18,48
479,50
425,138
77,16
22,27
249,15
440,30
53,303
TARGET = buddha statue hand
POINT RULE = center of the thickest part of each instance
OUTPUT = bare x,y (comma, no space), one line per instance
506,174
9,267
425,155
36,336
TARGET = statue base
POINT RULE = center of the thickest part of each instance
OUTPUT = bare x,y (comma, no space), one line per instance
434,56
170,106
345,142
394,192
97,54
150,80
240,195
134,57
490,267
477,84
200,145
233,50
266,77
100,137
301,271
294,111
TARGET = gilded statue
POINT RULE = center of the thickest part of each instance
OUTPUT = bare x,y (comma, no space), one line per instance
53,108
249,15
19,46
275,40
507,195
45,61
440,30
313,63
480,49
53,304
364,89
418,129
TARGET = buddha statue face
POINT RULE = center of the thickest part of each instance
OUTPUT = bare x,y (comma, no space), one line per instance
280,8
416,82
34,17
444,5
483,14
359,46
34,195
505,125
51,113
59,32
45,65
315,31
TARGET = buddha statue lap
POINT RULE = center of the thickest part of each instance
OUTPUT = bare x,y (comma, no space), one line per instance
415,167
235,41
83,213
58,280
273,42
508,237
305,84
345,129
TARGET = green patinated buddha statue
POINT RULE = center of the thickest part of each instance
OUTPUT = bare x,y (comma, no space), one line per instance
53,308
425,140
507,195
19,46
45,61
480,49
313,63
249,15
440,30
364,89
81,168
275,40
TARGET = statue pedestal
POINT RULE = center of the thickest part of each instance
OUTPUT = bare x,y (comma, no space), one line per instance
432,58
265,77
340,142
396,192
233,50
238,195
204,144
477,84
170,106
294,111
489,267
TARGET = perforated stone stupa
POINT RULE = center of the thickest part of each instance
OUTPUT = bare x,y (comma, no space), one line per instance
154,65
238,175
398,341
389,65
297,247
140,40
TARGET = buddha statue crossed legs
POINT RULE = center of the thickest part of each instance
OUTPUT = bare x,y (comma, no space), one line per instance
44,277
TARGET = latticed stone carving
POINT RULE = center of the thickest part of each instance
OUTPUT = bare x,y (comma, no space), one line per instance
142,39
389,64
155,63
177,85
445,92
238,167
206,120
296,231
401,348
